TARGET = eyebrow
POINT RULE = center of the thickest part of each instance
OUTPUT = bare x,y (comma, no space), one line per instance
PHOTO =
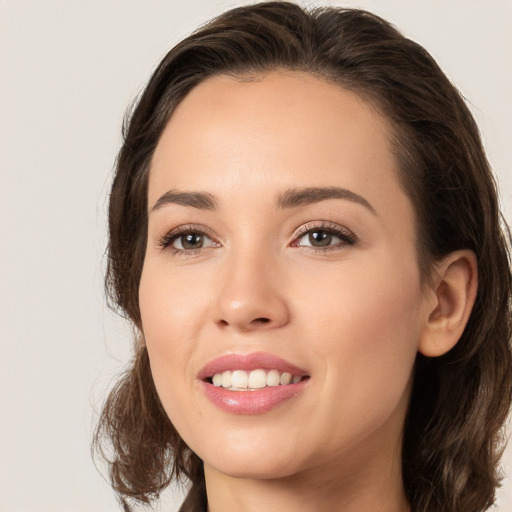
304,196
200,200
291,198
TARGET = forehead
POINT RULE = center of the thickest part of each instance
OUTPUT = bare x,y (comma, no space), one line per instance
279,116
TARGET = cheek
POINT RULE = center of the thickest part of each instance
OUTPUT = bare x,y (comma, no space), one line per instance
172,306
171,318
369,323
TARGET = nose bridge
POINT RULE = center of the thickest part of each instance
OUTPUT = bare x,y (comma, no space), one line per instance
250,296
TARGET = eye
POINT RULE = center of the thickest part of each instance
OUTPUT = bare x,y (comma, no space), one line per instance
324,237
186,240
319,238
191,241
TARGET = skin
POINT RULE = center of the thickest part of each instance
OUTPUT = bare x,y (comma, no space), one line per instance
354,315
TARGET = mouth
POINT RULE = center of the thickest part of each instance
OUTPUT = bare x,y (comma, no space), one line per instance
251,383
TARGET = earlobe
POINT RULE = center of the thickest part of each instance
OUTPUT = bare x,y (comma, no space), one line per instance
454,291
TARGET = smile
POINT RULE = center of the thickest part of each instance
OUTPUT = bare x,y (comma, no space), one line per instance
270,380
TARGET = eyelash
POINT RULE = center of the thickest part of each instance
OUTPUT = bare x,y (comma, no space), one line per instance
346,237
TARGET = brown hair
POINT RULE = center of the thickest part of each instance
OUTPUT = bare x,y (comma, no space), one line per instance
459,401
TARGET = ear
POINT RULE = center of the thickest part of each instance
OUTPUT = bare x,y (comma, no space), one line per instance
455,283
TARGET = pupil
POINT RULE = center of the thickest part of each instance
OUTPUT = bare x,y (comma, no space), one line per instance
320,238
192,241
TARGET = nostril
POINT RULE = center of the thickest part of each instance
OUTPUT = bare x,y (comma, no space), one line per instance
256,321
261,320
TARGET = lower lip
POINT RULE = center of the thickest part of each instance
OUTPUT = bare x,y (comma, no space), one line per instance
252,402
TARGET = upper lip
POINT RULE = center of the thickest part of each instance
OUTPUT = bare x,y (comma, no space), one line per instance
252,361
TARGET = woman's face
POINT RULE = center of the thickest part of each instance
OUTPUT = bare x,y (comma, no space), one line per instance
281,246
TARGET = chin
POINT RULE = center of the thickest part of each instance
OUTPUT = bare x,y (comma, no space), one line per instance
248,468
250,458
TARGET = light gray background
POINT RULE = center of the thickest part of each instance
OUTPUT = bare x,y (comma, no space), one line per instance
68,69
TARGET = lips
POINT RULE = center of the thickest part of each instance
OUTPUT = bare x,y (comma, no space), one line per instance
229,382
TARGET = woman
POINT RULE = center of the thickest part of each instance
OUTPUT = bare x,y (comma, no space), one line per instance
304,231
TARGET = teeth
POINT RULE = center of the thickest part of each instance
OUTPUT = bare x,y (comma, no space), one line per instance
226,379
273,378
258,379
240,380
217,379
286,378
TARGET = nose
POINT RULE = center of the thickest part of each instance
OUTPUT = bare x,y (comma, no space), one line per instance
251,296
